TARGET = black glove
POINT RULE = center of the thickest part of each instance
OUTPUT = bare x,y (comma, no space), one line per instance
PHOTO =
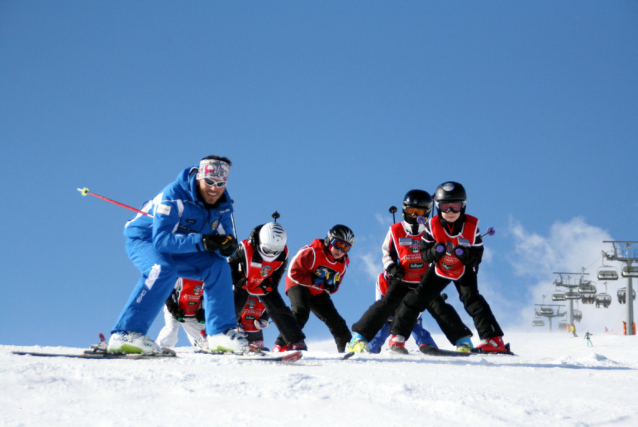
436,252
200,316
462,253
267,285
173,307
225,244
395,271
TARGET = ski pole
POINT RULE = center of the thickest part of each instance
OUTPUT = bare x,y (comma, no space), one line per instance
85,191
275,215
232,219
392,210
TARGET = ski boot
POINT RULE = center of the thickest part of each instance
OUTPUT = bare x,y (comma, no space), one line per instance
464,345
492,345
132,342
229,341
358,344
397,344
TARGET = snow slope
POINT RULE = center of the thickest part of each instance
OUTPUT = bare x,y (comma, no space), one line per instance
554,381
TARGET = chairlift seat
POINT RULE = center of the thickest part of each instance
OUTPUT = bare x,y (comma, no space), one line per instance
629,271
607,274
538,322
558,297
572,295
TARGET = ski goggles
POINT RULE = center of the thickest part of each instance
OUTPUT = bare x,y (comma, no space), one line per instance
340,244
450,206
215,183
415,211
269,252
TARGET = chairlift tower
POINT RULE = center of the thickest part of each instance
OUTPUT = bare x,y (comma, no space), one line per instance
549,311
626,252
572,292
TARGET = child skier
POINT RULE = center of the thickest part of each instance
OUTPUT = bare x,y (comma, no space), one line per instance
257,267
316,272
184,307
453,247
404,269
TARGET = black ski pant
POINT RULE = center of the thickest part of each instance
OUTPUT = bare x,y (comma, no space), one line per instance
276,310
379,312
425,296
303,302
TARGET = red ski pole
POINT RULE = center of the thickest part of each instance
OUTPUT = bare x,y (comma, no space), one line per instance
84,191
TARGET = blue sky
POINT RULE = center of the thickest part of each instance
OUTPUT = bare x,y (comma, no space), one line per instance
330,113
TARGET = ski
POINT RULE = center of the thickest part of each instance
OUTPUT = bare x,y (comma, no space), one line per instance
347,356
480,351
289,357
89,354
428,350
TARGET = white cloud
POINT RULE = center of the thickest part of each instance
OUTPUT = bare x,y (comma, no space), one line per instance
383,219
371,264
569,247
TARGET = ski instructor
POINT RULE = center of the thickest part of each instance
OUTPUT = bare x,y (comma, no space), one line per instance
188,233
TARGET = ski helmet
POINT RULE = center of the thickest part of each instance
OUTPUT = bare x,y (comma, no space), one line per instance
272,239
416,199
340,232
450,192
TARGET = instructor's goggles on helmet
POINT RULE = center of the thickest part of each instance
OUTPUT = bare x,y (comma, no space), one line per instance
340,244
415,211
450,206
215,183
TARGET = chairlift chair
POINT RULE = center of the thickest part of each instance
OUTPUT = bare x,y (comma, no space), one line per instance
587,288
622,295
562,325
538,322
588,298
629,271
607,273
603,299
572,295
547,310
578,315
558,296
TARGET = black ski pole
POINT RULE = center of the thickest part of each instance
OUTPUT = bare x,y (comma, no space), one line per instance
275,215
393,209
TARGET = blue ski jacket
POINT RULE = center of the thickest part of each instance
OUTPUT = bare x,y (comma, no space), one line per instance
179,218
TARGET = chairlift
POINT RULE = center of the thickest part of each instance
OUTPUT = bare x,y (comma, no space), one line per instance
622,295
603,299
629,271
607,272
546,310
558,297
587,288
538,322
588,298
562,325
572,295
578,315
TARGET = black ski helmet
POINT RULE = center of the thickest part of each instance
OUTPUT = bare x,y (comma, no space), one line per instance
417,199
340,232
450,191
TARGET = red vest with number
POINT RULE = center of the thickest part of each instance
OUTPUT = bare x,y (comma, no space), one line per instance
322,268
253,310
190,296
407,247
258,271
449,265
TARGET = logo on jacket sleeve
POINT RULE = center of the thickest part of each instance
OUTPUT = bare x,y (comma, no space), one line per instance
163,209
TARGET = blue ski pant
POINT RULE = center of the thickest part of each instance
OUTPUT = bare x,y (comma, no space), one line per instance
159,274
420,334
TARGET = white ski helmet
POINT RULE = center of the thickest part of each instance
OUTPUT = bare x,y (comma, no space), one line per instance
272,239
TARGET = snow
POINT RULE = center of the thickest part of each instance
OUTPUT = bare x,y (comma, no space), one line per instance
555,380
